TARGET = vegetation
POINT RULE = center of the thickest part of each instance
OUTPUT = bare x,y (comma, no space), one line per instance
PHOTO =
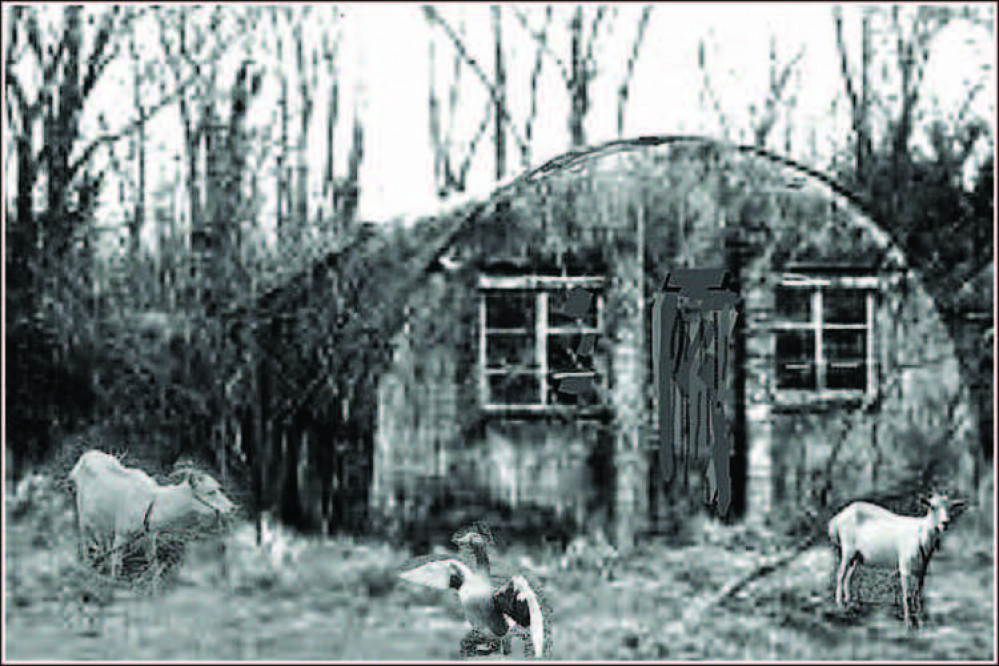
342,600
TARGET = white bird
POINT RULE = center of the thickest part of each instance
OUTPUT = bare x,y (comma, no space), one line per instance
493,609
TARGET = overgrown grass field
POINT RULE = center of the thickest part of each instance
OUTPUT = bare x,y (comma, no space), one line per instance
343,601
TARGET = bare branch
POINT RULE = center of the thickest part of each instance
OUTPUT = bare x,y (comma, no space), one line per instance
435,18
434,115
98,60
535,75
777,86
35,38
623,89
844,64
968,100
709,88
27,111
542,39
588,60
151,111
487,116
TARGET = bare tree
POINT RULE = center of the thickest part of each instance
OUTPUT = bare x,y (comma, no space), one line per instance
859,102
577,70
582,69
306,83
625,85
71,57
452,172
906,35
780,75
778,95
500,100
139,214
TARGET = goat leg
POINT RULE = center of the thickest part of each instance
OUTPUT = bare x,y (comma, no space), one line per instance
840,575
907,616
847,597
116,547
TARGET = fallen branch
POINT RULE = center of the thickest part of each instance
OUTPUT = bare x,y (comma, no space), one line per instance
697,609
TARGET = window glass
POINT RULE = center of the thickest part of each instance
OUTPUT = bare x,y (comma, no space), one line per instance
514,389
846,376
509,350
796,359
844,306
514,337
510,309
794,304
844,336
844,345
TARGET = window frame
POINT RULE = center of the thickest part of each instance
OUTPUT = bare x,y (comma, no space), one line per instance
817,286
542,287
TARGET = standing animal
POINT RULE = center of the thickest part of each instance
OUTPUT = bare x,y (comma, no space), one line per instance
872,534
116,503
493,608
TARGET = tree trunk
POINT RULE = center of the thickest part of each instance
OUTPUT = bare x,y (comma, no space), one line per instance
499,117
863,124
578,82
302,203
282,180
139,213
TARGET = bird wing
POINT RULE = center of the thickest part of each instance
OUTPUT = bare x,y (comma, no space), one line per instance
436,574
517,600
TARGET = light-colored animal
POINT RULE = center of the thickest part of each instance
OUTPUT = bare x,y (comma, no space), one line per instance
115,503
872,534
494,608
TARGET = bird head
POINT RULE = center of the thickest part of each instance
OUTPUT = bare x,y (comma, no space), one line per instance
470,538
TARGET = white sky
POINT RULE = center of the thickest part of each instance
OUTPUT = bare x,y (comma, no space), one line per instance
398,168
384,73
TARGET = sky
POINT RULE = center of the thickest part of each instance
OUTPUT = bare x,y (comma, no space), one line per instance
665,88
383,71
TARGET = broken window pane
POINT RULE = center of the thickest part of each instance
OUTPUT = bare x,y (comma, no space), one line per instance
572,308
571,353
577,391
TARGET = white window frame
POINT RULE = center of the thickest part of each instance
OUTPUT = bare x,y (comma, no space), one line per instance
542,286
817,286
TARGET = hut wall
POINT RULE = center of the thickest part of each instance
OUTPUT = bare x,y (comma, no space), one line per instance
697,200
914,427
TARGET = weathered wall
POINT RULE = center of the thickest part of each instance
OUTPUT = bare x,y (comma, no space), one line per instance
431,439
697,201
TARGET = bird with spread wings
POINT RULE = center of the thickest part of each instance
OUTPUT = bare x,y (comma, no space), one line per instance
496,608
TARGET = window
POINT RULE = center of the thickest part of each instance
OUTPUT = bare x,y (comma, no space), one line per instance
824,336
538,345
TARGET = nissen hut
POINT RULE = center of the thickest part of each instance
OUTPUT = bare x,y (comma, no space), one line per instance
517,378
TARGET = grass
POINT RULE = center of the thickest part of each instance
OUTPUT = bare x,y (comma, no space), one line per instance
343,602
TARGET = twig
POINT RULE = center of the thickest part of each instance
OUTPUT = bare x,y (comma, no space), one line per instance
542,39
96,143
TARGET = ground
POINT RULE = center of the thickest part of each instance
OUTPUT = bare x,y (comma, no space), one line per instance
343,601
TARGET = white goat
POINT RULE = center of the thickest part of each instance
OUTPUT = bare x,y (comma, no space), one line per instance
868,532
